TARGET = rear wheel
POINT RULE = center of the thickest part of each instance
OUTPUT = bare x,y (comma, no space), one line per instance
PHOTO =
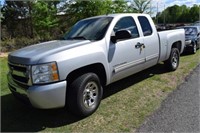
84,94
173,62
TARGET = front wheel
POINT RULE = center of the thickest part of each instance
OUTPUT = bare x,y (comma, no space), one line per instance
194,48
84,95
173,62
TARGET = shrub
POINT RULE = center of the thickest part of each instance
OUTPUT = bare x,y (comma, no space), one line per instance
7,45
17,43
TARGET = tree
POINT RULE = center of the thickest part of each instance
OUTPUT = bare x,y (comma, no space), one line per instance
180,14
141,6
13,11
120,6
44,18
194,13
83,9
1,15
185,16
80,9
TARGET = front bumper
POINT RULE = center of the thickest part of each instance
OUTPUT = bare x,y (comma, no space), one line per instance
188,45
41,96
188,42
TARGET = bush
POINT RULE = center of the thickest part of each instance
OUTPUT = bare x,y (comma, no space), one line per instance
17,43
7,45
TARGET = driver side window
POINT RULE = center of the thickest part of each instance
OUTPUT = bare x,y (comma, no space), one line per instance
127,23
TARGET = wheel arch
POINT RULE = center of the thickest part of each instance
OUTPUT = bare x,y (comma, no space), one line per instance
177,45
96,68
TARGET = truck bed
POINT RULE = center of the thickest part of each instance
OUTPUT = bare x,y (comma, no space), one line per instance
169,37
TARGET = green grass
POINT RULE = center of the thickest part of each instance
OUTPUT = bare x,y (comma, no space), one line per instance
3,79
124,107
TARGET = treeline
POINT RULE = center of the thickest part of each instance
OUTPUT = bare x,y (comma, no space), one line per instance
28,22
179,14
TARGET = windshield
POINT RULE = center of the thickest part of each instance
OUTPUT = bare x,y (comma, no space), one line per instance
89,29
190,31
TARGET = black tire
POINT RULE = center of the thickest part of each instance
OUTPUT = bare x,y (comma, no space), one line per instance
84,95
173,62
194,48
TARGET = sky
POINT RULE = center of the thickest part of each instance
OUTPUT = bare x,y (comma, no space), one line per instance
166,3
2,1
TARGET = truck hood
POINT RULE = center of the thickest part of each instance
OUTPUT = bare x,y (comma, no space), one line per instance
32,54
189,37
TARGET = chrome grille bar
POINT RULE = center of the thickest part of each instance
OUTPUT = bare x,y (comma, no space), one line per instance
20,73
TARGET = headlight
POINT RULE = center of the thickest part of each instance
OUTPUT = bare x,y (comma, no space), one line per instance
187,42
45,73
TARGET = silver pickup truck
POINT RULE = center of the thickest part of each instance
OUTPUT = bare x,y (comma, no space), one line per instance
96,52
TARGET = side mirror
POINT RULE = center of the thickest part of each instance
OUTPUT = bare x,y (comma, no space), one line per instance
121,35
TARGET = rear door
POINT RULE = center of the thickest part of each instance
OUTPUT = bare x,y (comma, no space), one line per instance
124,56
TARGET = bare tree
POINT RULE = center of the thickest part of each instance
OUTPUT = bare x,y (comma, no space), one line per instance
141,6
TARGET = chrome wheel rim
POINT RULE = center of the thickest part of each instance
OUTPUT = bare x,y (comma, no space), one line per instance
90,94
195,48
175,60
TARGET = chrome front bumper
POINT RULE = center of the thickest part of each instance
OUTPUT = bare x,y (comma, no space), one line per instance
41,96
188,42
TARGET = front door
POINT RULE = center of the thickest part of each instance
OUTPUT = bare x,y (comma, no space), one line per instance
126,57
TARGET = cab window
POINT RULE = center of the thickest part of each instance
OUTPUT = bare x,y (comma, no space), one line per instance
146,27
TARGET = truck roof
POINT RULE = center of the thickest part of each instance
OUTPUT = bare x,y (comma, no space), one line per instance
117,15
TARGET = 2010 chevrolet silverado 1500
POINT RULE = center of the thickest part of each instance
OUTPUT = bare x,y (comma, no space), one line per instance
96,52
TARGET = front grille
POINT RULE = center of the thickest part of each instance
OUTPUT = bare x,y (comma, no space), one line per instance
20,68
20,79
20,74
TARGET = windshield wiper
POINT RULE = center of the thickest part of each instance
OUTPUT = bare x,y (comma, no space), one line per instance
79,38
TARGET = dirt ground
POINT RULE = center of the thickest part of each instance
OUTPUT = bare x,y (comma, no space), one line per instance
2,54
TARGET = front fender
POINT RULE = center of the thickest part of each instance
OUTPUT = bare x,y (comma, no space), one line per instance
79,57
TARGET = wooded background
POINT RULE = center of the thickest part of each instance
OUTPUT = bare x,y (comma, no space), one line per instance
27,22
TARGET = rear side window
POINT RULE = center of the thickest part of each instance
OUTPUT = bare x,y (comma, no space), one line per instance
127,23
146,27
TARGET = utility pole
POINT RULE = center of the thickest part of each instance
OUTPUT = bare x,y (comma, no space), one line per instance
150,7
164,15
199,12
157,13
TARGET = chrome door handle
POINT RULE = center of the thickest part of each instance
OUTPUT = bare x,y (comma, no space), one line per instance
140,45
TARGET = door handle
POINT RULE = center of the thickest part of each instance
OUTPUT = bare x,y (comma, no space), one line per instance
140,45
